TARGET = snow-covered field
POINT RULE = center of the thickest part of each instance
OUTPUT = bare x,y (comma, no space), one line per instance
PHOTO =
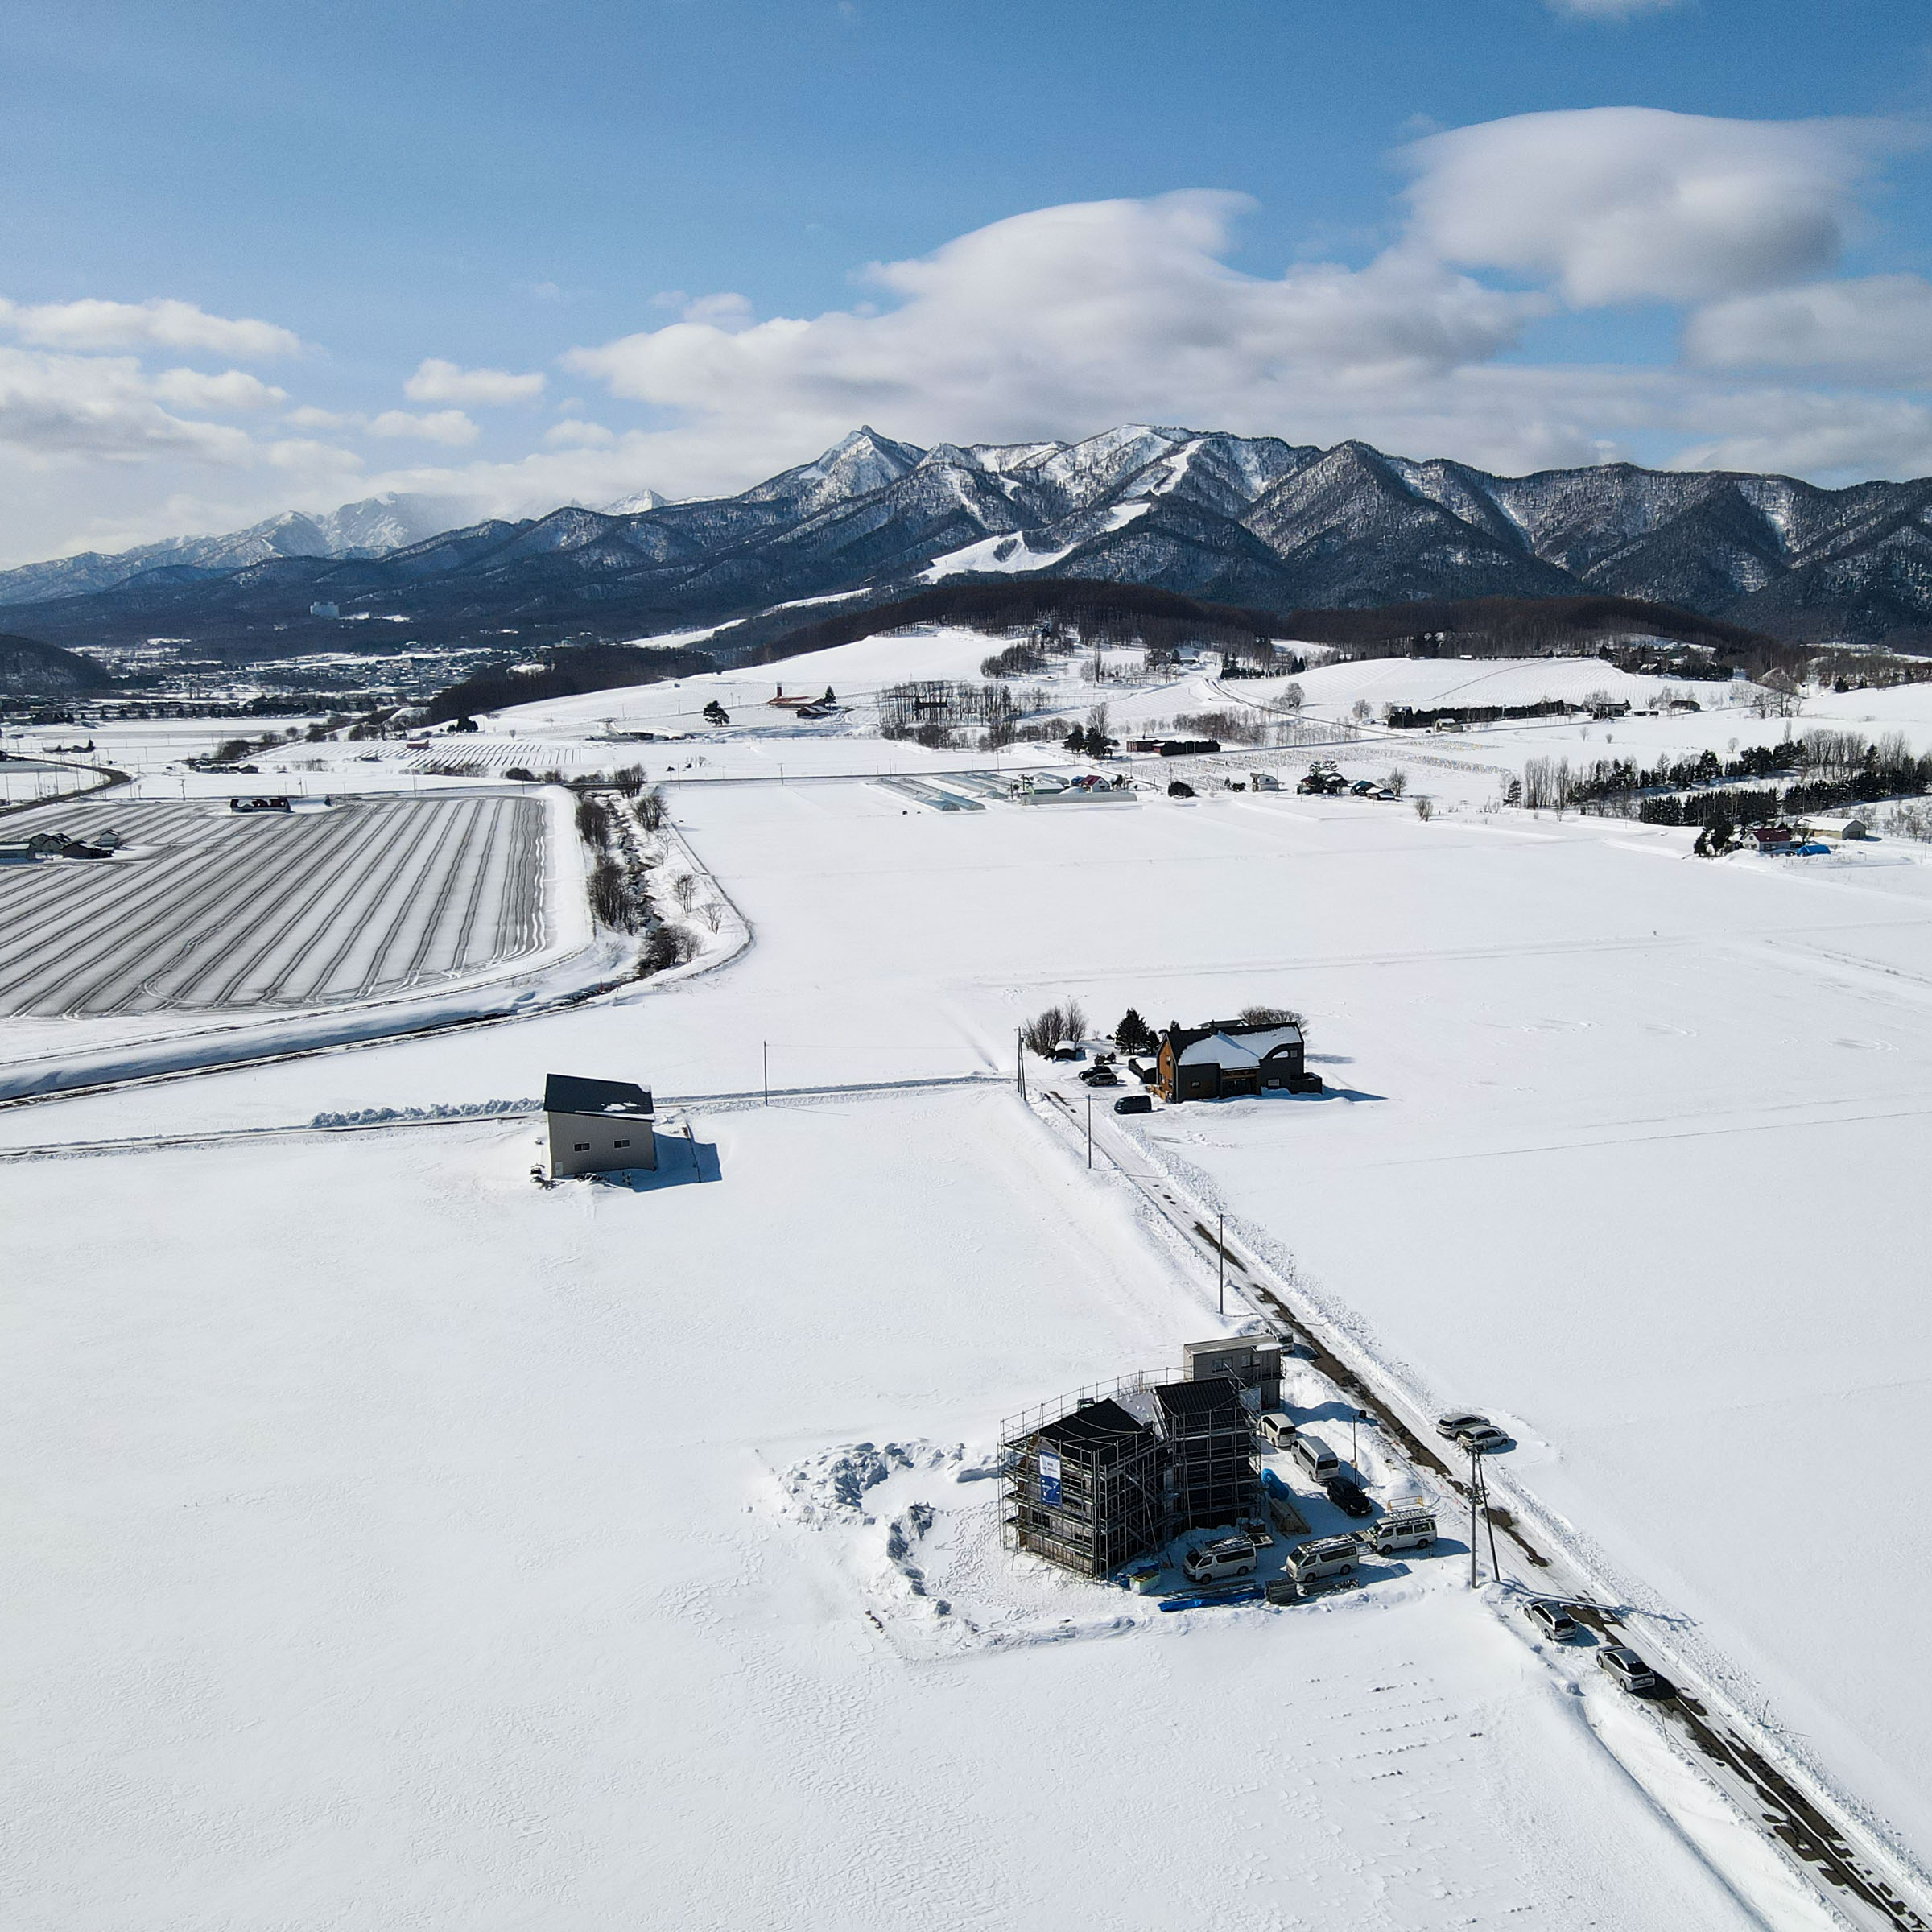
433,1549
442,1550
204,908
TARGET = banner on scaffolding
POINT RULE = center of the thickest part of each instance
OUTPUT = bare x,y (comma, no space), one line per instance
1050,1479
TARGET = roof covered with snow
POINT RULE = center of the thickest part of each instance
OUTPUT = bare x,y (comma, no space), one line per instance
1239,1049
565,1093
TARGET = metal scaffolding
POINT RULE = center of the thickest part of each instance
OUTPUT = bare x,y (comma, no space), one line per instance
1111,1473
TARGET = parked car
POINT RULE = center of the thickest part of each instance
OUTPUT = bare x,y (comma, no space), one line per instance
1317,1458
1230,1556
1348,1496
1627,1668
1101,1076
1134,1103
1326,1556
1402,1529
1453,1426
1180,789
1552,1619
1277,1427
1484,1441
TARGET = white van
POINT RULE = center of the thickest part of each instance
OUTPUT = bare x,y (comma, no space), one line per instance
1231,1556
1316,1457
1277,1429
1403,1530
1326,1556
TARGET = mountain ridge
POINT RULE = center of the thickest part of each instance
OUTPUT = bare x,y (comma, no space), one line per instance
1237,520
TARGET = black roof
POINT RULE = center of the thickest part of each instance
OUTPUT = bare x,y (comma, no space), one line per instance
565,1093
1100,1431
1213,1401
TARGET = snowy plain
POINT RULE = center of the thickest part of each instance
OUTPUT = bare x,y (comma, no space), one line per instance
419,1551
1624,1144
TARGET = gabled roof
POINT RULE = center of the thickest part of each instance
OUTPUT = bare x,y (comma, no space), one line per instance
1101,1430
565,1093
1214,1401
1244,1048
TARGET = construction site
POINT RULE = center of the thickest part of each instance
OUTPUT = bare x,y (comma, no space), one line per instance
1110,1474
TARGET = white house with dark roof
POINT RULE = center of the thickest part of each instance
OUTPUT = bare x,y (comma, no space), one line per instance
597,1126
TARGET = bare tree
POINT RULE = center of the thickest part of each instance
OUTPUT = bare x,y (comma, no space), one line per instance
685,890
1272,1015
650,808
1359,711
1045,1030
1292,697
714,915
1398,781
1424,810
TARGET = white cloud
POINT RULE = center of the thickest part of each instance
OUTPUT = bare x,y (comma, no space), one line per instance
449,426
1071,319
1630,203
1878,328
572,433
436,381
179,326
1609,9
99,409
233,388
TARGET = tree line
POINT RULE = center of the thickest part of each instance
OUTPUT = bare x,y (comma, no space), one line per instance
1826,770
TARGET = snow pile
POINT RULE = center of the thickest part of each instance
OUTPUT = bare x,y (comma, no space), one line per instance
441,1110
835,1483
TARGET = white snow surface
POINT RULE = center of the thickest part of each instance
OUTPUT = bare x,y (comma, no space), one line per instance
407,1544
420,1553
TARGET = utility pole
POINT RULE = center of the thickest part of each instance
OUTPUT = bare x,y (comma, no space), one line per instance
1221,1253
1019,1057
1496,1568
1472,1519
1090,1132
764,1048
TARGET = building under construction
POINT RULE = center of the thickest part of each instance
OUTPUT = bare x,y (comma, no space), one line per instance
1112,1473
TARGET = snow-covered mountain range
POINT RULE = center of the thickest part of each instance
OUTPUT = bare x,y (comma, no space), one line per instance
1243,520
371,528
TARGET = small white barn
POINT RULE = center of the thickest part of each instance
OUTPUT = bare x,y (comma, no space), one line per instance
597,1126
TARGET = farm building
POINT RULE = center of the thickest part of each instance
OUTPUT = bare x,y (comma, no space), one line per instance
1226,1057
1110,1474
1773,838
597,1126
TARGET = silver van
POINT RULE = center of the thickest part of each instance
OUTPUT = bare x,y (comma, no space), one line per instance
1326,1556
1231,1556
1316,1457
1403,1530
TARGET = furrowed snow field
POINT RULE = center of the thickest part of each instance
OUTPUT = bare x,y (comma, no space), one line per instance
397,1543
210,909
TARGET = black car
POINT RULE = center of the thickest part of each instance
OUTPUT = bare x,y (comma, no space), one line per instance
1180,789
1134,1103
1101,1076
1347,1497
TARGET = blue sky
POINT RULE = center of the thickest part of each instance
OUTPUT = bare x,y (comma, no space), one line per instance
571,193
